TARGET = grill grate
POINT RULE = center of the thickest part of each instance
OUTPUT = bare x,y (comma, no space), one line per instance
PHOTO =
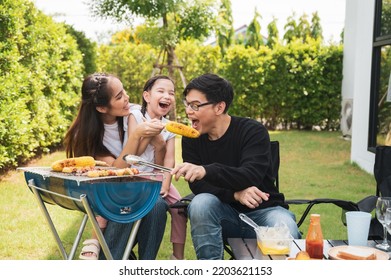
47,172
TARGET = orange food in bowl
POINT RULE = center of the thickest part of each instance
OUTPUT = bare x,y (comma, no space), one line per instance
302,255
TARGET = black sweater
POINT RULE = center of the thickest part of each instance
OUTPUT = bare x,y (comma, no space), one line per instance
238,160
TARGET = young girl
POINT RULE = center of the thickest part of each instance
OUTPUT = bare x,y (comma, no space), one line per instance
99,130
158,100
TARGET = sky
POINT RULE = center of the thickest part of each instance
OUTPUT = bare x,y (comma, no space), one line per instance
331,13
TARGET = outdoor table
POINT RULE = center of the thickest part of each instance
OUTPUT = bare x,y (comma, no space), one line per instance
246,249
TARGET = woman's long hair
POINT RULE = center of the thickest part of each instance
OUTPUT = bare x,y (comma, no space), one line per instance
85,136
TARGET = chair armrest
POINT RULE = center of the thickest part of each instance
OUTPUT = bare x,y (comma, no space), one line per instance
183,202
344,204
368,204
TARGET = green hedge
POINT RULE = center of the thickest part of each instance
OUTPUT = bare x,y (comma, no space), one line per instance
40,75
297,85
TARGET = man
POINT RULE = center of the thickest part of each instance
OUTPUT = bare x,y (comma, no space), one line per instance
228,169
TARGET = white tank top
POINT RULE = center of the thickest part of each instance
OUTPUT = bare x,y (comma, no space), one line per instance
111,138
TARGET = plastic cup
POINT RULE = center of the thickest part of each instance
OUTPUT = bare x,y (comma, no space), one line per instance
358,227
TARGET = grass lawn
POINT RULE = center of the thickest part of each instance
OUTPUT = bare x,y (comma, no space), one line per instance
313,165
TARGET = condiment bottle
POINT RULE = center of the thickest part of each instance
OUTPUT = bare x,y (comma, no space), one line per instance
314,239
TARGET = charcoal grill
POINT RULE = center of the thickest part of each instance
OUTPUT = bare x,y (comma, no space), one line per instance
122,199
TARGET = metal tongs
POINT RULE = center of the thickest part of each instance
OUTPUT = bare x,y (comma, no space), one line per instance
136,160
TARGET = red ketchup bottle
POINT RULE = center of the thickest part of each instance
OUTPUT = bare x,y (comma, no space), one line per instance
314,239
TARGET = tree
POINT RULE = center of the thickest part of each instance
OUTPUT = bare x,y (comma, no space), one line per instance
86,47
273,35
254,36
291,30
225,31
168,21
316,28
303,28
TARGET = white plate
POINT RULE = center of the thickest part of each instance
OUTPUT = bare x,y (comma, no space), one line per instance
380,255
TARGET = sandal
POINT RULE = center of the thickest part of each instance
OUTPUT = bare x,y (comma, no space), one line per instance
91,250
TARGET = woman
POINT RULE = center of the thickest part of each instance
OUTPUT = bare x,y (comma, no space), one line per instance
98,131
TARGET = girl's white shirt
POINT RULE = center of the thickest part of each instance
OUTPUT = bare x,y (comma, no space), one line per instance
149,153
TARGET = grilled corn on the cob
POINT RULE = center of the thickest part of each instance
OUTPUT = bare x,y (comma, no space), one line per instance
182,129
73,162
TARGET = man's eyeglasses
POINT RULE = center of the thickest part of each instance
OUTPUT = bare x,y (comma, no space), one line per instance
195,106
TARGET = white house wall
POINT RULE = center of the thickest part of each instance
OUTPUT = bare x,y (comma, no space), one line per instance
358,34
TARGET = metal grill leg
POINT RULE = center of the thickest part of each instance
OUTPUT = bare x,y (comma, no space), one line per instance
96,227
132,238
78,237
49,220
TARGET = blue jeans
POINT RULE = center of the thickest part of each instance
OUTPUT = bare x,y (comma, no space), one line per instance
149,235
213,221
